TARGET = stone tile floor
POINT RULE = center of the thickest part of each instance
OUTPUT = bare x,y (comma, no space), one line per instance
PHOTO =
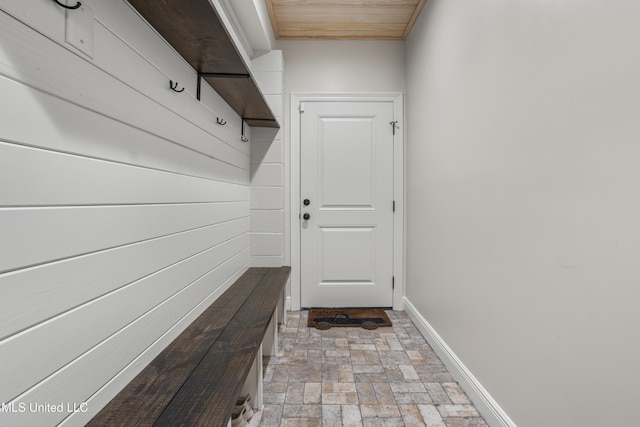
357,377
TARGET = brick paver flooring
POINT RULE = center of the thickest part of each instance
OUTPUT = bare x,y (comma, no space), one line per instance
357,377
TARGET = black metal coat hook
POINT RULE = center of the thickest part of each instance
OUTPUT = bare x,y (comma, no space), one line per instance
174,87
75,6
242,137
220,121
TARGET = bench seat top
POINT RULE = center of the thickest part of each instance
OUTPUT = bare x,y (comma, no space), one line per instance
195,381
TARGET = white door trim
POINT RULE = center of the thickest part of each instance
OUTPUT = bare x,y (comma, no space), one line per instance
398,185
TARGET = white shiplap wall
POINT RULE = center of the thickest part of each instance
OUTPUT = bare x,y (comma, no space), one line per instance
268,248
124,207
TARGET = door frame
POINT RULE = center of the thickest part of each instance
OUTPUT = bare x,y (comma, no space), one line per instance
398,185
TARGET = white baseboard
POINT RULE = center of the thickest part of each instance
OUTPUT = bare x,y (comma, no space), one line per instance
287,303
486,405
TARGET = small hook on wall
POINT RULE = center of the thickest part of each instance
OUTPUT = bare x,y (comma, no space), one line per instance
75,6
242,137
220,121
174,87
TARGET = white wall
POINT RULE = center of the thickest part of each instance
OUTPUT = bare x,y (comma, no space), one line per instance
523,231
124,207
267,168
343,66
314,66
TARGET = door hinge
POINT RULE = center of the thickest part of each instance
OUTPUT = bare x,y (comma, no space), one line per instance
394,205
393,282
394,126
301,107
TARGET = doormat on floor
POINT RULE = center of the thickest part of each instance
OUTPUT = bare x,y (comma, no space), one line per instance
368,318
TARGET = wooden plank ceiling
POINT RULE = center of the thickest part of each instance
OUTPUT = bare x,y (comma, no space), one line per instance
343,19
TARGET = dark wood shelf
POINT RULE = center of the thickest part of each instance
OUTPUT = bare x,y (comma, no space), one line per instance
194,29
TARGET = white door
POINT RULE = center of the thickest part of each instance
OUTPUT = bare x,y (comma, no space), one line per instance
346,204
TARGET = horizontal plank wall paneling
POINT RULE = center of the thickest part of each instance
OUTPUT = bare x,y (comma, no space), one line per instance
124,206
30,58
37,235
49,17
268,235
89,134
22,367
26,297
42,177
125,348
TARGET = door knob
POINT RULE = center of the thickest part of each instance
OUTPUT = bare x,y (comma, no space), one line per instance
306,216
306,202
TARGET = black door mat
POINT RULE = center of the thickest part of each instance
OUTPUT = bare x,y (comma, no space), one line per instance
367,318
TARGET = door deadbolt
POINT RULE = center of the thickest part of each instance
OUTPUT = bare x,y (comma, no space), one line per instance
306,216
306,202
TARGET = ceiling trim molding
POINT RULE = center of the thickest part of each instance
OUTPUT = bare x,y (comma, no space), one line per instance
414,18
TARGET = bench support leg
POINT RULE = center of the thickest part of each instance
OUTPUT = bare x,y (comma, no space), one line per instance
254,382
270,341
281,310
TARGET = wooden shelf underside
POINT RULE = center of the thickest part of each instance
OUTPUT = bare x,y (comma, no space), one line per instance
194,29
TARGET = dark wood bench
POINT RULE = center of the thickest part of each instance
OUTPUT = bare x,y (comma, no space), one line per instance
195,381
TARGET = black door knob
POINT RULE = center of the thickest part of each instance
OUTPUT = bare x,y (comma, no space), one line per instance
306,202
306,216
